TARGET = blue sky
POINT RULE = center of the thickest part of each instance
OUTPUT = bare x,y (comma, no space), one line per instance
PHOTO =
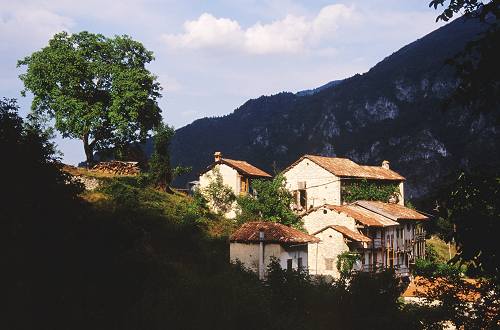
212,56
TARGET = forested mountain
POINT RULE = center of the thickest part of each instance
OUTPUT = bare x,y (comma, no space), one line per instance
394,111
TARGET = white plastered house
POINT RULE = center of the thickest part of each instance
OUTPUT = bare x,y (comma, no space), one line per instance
255,244
384,235
236,174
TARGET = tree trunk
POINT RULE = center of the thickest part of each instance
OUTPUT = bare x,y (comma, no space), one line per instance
89,150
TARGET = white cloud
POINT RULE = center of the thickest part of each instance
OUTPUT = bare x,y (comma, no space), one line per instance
329,18
285,36
291,34
27,26
207,31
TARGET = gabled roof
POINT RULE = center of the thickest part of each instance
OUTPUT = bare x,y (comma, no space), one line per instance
242,167
355,236
364,216
395,212
273,233
344,167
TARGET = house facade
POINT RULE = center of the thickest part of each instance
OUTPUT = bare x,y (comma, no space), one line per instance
236,174
317,180
384,235
255,244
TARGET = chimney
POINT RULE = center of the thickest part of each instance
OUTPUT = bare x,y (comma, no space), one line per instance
385,164
217,156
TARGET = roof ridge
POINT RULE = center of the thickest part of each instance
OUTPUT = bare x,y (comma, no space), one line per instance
398,210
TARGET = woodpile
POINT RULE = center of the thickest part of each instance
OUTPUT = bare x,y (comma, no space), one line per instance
117,168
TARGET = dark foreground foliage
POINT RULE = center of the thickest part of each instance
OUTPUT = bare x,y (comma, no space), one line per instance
138,258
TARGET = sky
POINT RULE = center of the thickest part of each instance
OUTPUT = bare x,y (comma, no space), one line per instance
212,56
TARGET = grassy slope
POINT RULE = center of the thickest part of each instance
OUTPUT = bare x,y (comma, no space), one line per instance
441,248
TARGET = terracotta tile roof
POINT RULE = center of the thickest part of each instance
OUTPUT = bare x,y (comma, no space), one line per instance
362,215
378,172
344,167
421,286
242,167
245,168
273,233
355,236
395,212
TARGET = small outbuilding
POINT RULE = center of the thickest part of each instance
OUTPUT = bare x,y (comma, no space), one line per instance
254,244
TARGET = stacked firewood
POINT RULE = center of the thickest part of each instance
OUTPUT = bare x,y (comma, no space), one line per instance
117,167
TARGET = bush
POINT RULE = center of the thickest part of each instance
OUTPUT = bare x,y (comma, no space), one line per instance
271,203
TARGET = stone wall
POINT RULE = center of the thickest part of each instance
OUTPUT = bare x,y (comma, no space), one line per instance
90,183
322,186
323,255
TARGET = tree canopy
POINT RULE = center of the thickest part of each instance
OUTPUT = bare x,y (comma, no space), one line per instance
96,88
468,7
473,205
271,203
159,164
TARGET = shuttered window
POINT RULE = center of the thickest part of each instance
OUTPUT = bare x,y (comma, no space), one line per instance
329,263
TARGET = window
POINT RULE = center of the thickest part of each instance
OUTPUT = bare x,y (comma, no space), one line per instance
303,198
329,263
289,264
299,263
243,184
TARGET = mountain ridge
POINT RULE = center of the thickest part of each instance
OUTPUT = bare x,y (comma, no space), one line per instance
393,111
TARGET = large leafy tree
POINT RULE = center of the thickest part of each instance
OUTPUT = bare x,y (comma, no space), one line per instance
160,169
473,206
96,88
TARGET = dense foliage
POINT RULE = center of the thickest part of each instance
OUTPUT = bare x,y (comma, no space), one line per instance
472,205
32,182
160,170
270,202
97,89
432,266
220,196
369,191
345,263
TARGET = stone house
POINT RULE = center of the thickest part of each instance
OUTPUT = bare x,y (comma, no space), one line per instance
236,174
254,244
317,180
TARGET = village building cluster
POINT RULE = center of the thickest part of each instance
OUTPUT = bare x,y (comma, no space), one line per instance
384,234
